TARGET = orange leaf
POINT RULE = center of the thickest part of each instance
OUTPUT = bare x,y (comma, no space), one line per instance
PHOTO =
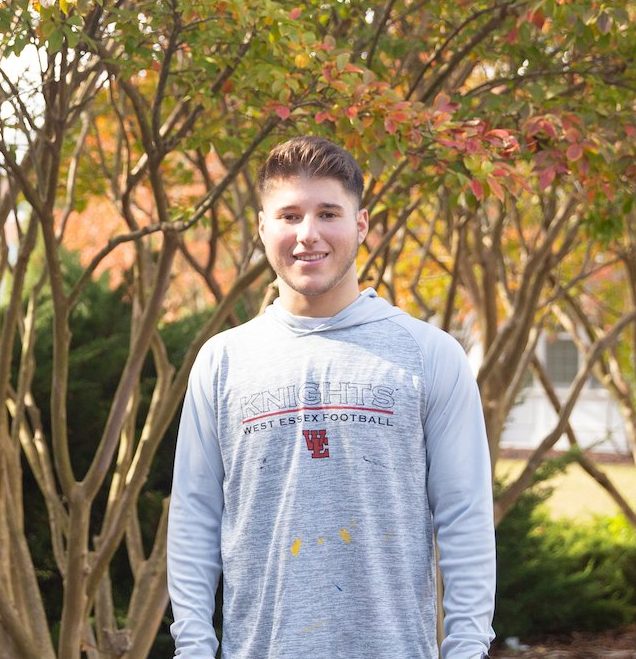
537,18
352,68
399,116
496,188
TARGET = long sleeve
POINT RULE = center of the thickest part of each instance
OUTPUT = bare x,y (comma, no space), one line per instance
460,495
194,528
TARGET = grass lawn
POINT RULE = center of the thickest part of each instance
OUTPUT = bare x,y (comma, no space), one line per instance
576,494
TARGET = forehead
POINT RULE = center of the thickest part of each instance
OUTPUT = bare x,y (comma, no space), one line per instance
305,191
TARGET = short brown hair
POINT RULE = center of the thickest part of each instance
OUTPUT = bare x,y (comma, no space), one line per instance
315,157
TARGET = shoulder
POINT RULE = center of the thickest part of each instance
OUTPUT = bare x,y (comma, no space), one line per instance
433,342
218,345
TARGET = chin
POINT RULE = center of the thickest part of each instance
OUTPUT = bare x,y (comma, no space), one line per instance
311,291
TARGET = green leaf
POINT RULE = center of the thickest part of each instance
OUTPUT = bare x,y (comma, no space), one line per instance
75,20
55,40
342,60
72,36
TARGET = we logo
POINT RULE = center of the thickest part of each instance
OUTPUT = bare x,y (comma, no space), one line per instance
317,441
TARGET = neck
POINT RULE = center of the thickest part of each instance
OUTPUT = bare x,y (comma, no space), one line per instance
316,306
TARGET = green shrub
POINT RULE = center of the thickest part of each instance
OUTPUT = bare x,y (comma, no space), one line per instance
562,576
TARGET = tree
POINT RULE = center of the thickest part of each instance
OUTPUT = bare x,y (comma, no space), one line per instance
508,122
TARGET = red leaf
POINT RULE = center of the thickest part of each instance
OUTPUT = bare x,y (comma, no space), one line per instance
537,18
477,188
282,111
609,191
390,126
399,116
352,68
295,13
322,116
442,103
327,71
352,111
513,35
496,188
549,128
539,124
574,152
500,133
450,144
329,43
546,177
630,131
472,146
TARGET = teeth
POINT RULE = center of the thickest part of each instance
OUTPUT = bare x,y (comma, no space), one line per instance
310,257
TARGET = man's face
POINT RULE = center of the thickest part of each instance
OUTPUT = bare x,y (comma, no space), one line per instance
311,229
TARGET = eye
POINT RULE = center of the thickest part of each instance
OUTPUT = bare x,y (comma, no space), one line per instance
290,217
328,215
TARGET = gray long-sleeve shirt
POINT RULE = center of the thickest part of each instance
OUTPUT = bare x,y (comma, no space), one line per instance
315,462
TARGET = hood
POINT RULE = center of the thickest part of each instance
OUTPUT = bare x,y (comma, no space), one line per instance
366,308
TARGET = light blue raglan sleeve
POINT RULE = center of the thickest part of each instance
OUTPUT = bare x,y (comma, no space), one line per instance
194,525
460,495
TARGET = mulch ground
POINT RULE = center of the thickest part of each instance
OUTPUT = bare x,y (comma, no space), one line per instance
617,644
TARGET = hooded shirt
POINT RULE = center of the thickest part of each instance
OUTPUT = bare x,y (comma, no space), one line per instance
316,461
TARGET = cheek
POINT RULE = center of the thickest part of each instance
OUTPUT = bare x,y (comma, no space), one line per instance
275,240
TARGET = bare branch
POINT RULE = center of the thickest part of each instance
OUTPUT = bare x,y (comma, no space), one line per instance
103,455
386,238
503,11
71,178
113,531
379,29
178,224
585,461
514,490
512,336
164,72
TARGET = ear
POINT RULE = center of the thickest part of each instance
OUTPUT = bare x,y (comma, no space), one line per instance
362,221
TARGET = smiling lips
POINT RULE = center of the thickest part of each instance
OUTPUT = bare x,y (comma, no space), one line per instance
317,256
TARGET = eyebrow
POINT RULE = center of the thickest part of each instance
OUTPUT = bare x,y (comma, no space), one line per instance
322,206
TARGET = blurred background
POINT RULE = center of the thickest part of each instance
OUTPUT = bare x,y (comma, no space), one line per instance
498,140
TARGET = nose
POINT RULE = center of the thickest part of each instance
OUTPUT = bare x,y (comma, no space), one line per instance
307,231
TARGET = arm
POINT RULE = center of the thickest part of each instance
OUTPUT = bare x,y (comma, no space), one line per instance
460,495
194,527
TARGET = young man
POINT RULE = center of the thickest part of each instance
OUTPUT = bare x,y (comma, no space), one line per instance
322,446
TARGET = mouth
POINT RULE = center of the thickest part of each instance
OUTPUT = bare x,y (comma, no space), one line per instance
310,258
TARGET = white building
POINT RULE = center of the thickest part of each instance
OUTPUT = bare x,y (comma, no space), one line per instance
595,419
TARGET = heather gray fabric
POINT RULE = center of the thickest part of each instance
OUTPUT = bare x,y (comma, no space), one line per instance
312,466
